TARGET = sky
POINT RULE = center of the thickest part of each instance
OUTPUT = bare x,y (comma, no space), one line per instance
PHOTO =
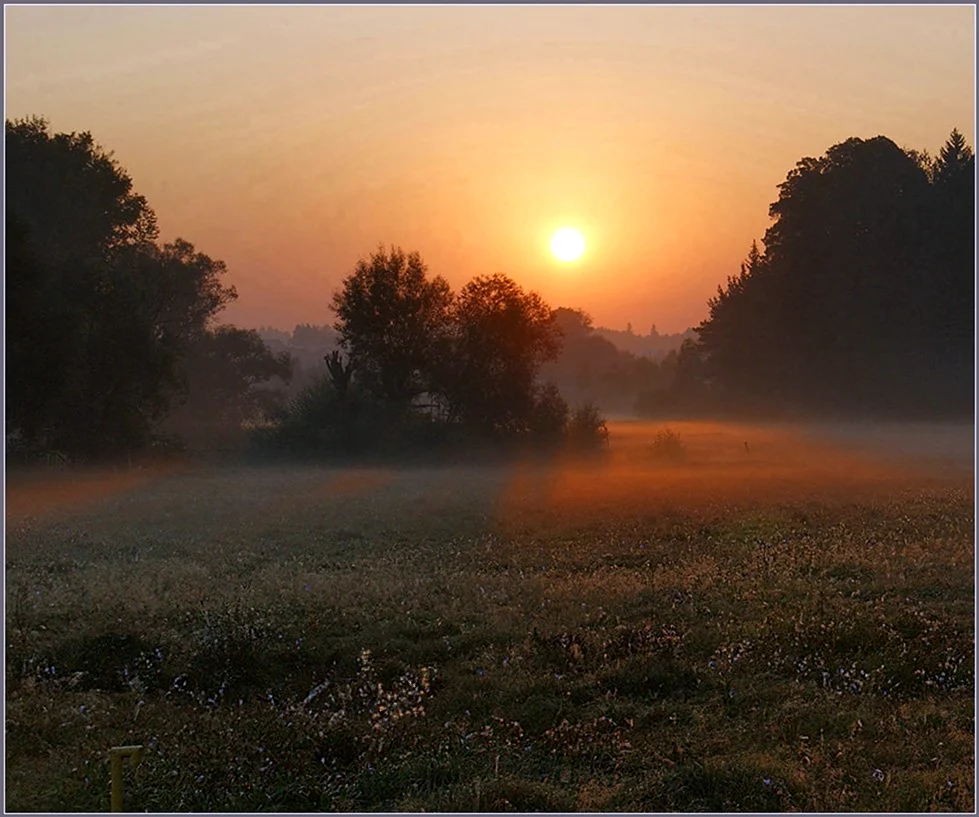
291,141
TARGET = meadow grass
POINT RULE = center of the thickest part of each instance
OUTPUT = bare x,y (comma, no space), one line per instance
783,627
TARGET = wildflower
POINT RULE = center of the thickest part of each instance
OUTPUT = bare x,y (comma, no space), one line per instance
878,775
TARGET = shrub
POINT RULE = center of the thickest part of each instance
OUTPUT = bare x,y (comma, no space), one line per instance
587,428
549,418
303,425
319,422
668,446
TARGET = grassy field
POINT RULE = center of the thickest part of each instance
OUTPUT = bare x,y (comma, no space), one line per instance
783,625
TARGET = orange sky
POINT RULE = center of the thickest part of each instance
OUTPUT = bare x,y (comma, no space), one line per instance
289,141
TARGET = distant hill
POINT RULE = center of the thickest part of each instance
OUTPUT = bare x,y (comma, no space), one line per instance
653,346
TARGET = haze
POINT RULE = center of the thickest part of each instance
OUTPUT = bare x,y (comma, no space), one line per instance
289,142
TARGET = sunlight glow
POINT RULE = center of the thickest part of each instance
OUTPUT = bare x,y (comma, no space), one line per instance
567,244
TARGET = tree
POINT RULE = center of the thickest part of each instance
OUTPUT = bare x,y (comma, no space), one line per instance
72,192
847,300
955,164
40,323
229,376
340,373
393,321
501,336
954,255
151,308
100,316
736,348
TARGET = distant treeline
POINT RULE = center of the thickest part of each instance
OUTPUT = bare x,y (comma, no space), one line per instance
862,300
654,345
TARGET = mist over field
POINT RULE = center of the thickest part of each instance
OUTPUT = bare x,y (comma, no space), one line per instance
715,456
385,493
705,615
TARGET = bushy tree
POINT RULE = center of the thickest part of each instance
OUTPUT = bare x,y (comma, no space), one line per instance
851,298
99,316
393,321
501,336
478,357
73,196
549,414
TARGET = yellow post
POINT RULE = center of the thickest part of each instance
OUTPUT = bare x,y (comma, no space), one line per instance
116,754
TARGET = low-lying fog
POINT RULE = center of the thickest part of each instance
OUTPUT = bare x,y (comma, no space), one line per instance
649,467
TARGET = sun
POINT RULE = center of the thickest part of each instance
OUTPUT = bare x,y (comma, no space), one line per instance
567,244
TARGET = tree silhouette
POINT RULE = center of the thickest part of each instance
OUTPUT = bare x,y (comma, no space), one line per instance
340,373
100,317
953,267
592,369
40,325
393,321
862,274
956,162
501,336
72,192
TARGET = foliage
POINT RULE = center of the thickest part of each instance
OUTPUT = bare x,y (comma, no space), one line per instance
437,362
667,445
308,422
39,327
227,372
393,321
550,414
99,316
71,192
587,428
591,369
864,284
320,422
500,337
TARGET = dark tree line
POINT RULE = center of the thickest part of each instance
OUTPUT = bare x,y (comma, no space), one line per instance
863,298
107,330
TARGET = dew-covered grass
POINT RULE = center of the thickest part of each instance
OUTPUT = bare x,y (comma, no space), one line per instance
783,625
